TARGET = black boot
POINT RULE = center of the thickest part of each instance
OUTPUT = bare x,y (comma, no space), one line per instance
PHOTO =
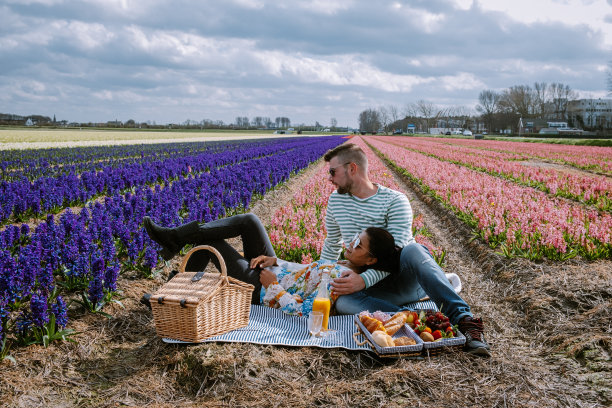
172,239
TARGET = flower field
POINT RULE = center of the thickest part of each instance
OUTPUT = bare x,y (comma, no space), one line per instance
80,253
519,220
74,262
584,187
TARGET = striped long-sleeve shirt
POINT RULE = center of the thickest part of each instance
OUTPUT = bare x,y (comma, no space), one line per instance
348,215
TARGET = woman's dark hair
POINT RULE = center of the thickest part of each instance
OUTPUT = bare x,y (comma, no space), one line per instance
382,246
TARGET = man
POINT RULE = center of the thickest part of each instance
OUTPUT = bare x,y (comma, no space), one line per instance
357,204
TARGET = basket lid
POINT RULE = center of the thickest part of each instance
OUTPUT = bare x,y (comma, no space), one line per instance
190,288
183,290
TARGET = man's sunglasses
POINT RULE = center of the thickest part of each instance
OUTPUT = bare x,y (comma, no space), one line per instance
332,170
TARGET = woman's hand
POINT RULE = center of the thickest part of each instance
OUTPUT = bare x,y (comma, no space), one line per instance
267,277
263,261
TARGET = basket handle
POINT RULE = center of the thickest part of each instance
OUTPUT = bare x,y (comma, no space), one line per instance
204,248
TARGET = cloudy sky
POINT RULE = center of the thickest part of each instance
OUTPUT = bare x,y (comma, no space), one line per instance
172,60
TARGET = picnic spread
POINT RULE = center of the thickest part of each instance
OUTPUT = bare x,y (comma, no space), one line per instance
198,307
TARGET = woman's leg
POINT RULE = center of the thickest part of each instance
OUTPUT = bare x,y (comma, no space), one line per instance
254,236
248,227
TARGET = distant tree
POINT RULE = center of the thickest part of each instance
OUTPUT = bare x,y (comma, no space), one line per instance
242,122
560,95
519,100
541,99
369,120
385,118
488,106
428,112
333,123
609,79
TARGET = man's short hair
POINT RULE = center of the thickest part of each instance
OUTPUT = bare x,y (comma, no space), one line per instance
348,153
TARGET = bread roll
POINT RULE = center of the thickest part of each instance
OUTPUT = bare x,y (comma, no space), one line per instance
395,323
383,339
404,341
372,324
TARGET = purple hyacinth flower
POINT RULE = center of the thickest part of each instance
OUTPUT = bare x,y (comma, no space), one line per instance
39,309
60,311
96,285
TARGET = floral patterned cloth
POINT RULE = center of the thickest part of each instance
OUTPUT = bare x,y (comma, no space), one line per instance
297,285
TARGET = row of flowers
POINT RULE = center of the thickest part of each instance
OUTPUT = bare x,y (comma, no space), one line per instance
519,220
586,188
34,163
23,199
78,256
297,230
592,158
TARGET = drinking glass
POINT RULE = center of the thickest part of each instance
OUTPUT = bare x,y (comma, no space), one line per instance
315,323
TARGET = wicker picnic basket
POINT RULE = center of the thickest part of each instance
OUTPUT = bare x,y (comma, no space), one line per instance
194,306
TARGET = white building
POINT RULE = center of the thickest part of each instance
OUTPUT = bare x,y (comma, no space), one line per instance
590,113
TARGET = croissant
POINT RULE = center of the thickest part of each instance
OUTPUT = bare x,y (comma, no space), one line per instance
404,341
395,323
372,324
382,339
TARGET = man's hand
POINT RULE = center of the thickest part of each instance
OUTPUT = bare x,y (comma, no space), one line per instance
349,282
262,261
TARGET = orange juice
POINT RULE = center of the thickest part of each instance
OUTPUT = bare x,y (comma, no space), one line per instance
323,305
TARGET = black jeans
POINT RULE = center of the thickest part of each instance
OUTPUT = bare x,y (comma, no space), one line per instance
255,242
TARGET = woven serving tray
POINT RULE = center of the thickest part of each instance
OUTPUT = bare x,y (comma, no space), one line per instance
393,352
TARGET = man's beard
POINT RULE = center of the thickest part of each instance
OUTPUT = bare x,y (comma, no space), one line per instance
345,189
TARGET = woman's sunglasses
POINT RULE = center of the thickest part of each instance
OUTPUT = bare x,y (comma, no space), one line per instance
356,243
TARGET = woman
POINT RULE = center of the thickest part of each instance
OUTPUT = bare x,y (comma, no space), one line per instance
293,287
376,248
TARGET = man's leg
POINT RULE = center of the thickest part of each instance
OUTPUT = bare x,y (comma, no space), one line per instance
416,260
359,301
417,264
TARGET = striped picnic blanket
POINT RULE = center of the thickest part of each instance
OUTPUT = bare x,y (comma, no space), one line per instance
272,326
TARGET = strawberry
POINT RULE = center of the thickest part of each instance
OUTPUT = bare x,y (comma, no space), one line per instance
437,334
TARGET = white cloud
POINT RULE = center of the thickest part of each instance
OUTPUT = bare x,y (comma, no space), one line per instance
340,71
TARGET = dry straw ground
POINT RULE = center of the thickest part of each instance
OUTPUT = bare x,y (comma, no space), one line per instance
549,325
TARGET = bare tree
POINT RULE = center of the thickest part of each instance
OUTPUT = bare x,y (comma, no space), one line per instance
428,112
369,120
393,113
540,99
560,95
488,106
609,79
518,100
385,118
